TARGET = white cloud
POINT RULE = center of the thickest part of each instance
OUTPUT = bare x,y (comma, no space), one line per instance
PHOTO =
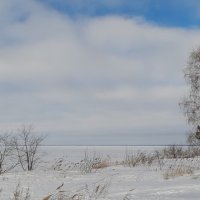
91,74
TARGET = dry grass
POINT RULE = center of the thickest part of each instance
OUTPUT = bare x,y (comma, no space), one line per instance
102,164
92,161
174,152
138,158
21,193
178,171
97,191
47,198
94,191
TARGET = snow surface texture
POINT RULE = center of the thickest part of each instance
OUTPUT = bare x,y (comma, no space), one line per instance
61,167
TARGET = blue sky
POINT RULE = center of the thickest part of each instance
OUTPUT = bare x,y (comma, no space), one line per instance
181,13
96,72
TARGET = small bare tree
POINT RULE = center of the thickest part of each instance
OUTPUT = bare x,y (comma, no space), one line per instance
7,160
26,145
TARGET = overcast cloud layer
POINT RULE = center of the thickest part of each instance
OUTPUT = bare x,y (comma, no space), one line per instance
92,80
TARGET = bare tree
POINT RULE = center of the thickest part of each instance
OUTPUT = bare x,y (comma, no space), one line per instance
191,104
7,159
26,145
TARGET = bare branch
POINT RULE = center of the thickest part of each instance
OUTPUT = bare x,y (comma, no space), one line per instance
26,144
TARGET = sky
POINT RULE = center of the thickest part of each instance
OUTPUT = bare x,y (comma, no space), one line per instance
91,72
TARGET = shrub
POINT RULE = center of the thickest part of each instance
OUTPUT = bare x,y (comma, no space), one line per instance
92,161
21,194
138,158
173,152
180,170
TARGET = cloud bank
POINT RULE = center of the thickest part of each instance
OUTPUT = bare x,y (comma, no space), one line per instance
92,80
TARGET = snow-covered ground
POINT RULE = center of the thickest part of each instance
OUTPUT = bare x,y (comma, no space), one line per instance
60,165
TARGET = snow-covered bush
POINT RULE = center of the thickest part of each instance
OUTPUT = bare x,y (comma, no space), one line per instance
92,161
21,193
138,158
173,172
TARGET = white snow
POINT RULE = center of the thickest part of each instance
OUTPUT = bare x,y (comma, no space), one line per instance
122,182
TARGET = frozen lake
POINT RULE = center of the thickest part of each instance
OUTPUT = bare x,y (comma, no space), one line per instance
76,153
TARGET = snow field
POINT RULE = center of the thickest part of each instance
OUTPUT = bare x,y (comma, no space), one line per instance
119,181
